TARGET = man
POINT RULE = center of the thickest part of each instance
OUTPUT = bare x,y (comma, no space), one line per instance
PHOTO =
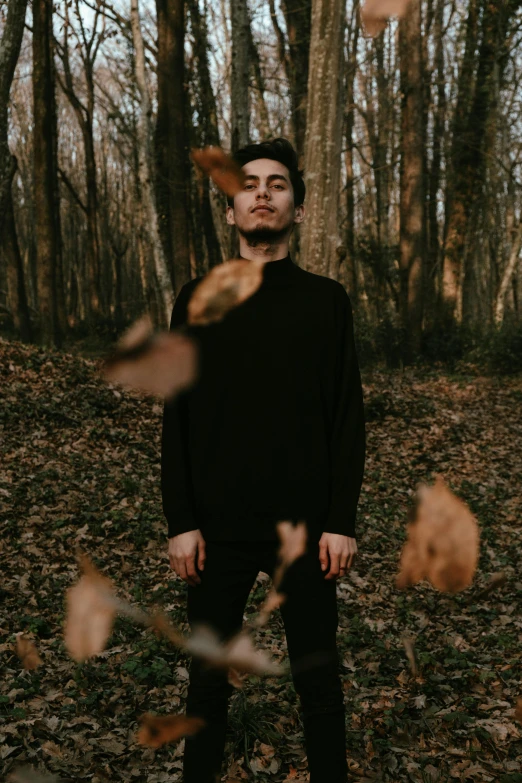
272,430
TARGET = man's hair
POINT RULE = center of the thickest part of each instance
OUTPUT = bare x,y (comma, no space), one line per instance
277,149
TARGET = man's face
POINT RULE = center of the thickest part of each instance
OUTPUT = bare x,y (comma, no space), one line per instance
265,205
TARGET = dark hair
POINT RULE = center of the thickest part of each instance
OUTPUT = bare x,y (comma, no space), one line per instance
277,149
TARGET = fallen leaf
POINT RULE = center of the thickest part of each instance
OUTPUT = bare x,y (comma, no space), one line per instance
518,710
238,653
90,613
157,730
375,14
226,286
27,652
293,545
162,364
227,175
443,542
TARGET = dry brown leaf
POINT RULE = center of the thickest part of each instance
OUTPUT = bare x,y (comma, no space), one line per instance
293,545
226,286
91,609
409,646
157,730
27,652
443,542
518,710
161,364
227,175
238,653
375,14
235,678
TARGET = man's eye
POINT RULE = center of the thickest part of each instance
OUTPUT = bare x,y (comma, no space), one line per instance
278,186
247,187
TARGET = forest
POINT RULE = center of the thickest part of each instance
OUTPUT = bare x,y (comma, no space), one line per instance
406,116
104,215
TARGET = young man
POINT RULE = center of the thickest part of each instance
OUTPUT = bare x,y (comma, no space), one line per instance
272,430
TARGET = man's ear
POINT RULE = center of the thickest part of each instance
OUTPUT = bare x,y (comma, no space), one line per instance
230,216
299,213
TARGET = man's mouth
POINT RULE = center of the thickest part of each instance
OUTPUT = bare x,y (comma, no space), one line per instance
262,209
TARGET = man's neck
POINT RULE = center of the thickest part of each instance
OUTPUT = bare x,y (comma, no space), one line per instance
263,251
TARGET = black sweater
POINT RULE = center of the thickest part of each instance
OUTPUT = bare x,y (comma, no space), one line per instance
273,429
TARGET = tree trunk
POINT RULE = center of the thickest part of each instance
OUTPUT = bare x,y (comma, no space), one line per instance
45,174
16,291
298,16
145,169
351,261
9,249
468,158
411,178
320,235
240,108
509,271
209,136
171,142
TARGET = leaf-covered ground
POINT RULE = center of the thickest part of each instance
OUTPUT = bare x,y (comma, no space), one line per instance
80,467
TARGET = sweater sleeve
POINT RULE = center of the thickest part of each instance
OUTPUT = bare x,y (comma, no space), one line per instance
348,437
176,484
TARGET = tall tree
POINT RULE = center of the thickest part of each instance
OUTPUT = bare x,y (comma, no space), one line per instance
320,235
172,162
411,177
89,45
298,18
239,92
9,248
149,216
45,172
469,150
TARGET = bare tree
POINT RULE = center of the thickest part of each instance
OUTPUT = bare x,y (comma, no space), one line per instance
320,235
9,248
172,163
239,92
45,172
146,168
412,177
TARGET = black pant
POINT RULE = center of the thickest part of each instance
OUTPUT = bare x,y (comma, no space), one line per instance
310,618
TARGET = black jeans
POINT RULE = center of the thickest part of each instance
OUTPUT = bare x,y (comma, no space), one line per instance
310,618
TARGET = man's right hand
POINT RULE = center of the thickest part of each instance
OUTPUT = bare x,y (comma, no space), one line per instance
185,551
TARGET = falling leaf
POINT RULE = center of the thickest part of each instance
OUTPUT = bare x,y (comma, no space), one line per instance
235,678
375,14
273,601
161,364
293,544
226,286
157,730
227,175
90,613
238,653
27,652
443,542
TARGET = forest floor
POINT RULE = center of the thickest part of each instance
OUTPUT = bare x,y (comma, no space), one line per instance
80,467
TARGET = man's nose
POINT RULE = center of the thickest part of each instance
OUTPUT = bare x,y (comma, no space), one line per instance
262,191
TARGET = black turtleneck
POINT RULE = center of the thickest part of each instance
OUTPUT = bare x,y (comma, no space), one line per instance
273,429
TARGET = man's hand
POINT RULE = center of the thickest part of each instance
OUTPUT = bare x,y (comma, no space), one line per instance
184,551
337,552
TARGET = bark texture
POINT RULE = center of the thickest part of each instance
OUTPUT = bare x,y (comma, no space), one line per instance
320,233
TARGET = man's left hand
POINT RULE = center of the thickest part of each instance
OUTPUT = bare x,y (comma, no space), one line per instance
336,552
